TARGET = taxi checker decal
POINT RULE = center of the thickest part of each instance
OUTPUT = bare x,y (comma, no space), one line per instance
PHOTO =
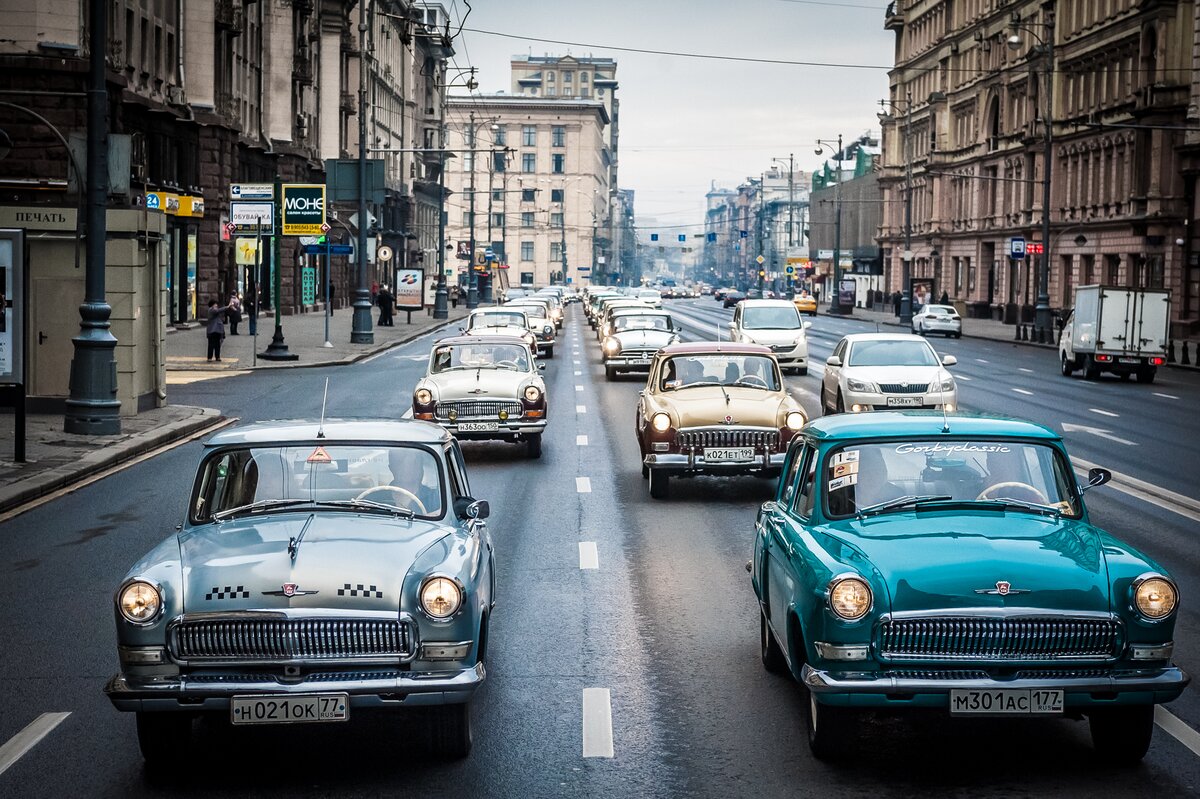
360,590
228,593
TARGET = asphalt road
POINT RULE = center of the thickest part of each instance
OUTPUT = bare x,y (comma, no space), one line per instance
666,624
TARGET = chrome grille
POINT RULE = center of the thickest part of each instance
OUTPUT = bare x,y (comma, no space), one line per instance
1001,639
901,388
728,437
475,409
637,353
273,640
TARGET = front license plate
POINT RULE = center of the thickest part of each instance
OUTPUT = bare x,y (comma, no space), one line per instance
728,454
289,709
1006,702
638,362
478,427
904,402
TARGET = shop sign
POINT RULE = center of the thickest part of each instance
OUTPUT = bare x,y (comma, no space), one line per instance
163,201
191,206
252,217
303,209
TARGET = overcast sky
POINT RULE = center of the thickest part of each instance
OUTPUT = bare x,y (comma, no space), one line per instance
686,122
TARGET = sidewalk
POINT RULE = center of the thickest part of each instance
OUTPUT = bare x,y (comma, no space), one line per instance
998,331
55,459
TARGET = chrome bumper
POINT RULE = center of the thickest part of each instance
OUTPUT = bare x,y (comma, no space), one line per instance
675,463
408,689
617,362
507,430
1165,683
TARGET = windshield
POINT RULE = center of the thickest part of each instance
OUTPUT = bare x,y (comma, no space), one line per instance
891,352
536,311
647,295
641,322
940,309
774,318
397,476
750,371
861,475
480,356
500,319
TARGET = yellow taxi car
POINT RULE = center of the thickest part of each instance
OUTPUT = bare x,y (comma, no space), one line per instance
805,303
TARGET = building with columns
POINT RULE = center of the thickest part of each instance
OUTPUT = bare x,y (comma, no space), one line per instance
971,93
529,180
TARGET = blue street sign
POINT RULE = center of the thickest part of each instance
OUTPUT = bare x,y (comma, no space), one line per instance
712,236
653,237
334,249
683,237
743,234
1016,247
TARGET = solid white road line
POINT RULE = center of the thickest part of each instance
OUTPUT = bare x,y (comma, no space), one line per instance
1023,369
1166,396
581,441
597,723
580,409
1148,492
589,556
1023,391
1178,730
1103,412
43,725
583,485
962,377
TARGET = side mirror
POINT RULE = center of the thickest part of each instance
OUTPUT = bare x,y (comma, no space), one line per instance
949,360
467,508
731,326
1097,476
833,360
807,325
541,367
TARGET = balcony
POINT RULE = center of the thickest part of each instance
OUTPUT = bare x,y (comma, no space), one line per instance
893,18
230,16
302,69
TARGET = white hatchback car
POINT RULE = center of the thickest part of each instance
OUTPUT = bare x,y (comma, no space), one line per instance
937,319
775,324
887,371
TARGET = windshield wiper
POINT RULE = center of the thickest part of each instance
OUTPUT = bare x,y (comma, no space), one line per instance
898,502
363,504
744,384
261,504
1037,507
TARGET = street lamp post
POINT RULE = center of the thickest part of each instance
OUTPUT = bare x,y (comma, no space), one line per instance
1042,325
835,302
791,204
906,256
360,326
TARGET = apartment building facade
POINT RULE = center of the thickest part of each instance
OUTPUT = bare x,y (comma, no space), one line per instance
970,94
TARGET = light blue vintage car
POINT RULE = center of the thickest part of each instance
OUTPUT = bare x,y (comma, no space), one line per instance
321,568
911,560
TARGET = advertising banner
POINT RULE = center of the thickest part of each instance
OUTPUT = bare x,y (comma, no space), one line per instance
12,310
410,285
846,292
303,209
248,217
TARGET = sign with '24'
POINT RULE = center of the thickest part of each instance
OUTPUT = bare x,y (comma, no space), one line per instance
303,209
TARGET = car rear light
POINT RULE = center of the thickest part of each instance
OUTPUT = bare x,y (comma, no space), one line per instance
1156,361
1104,358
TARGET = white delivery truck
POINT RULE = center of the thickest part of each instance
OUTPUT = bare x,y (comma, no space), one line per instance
1118,330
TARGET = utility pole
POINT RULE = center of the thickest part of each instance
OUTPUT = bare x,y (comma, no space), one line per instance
440,310
907,255
762,211
835,305
487,286
93,407
360,330
472,284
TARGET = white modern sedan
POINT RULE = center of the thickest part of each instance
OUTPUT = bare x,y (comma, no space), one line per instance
886,371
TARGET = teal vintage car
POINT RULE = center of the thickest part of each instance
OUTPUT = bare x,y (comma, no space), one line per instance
915,560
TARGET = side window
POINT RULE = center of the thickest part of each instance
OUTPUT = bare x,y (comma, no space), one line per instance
459,487
805,501
840,350
787,485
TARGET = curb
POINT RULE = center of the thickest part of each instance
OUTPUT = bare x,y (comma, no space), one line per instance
16,494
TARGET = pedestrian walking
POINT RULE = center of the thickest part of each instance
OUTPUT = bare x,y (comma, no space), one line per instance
945,300
215,329
332,296
374,292
235,313
896,303
385,302
454,296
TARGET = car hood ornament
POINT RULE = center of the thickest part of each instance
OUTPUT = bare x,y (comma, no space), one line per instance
1003,588
289,589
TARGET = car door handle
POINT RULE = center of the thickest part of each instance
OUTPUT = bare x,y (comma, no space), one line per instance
42,337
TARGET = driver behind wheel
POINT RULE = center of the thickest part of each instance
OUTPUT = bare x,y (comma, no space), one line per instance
413,471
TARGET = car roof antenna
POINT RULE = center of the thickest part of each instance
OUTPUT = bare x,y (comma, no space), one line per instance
324,399
945,421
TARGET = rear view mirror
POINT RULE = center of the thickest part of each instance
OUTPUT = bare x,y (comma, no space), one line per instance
1097,476
541,367
833,360
949,360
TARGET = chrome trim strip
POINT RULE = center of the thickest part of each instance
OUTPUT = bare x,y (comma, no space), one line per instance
1170,678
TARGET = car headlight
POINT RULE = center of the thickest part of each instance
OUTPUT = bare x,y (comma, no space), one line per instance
1154,597
440,597
139,602
860,385
794,420
660,422
532,393
849,598
547,330
423,396
612,346
945,385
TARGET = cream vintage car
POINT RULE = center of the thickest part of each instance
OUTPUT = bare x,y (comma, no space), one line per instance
633,338
510,321
484,388
714,408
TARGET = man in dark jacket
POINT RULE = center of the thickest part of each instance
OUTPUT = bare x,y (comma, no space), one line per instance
385,303
215,329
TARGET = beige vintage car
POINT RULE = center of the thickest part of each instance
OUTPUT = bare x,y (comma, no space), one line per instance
714,408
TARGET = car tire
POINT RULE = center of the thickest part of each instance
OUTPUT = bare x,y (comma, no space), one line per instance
772,655
1122,735
802,371
1145,374
610,373
645,471
660,484
533,446
164,738
1090,370
958,335
549,352
451,734
830,730
1068,365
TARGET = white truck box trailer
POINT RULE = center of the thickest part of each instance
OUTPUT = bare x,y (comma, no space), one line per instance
1118,330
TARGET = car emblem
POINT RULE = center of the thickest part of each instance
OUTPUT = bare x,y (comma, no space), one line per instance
1003,588
903,385
477,391
728,420
289,590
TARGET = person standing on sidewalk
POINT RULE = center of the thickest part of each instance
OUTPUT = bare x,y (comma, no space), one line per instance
332,297
215,329
454,295
235,313
384,300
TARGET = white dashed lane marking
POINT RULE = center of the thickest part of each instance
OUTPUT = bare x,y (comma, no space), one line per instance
578,373
576,362
16,747
1166,396
981,360
580,409
581,441
962,377
579,388
1023,369
1103,412
1023,391
597,723
589,556
583,485
1177,728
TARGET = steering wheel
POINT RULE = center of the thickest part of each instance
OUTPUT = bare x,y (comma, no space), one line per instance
988,492
752,379
403,492
506,364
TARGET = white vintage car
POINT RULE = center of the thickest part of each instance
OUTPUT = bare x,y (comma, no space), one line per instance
633,339
501,322
484,387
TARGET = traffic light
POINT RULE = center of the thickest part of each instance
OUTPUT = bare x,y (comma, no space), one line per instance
762,273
